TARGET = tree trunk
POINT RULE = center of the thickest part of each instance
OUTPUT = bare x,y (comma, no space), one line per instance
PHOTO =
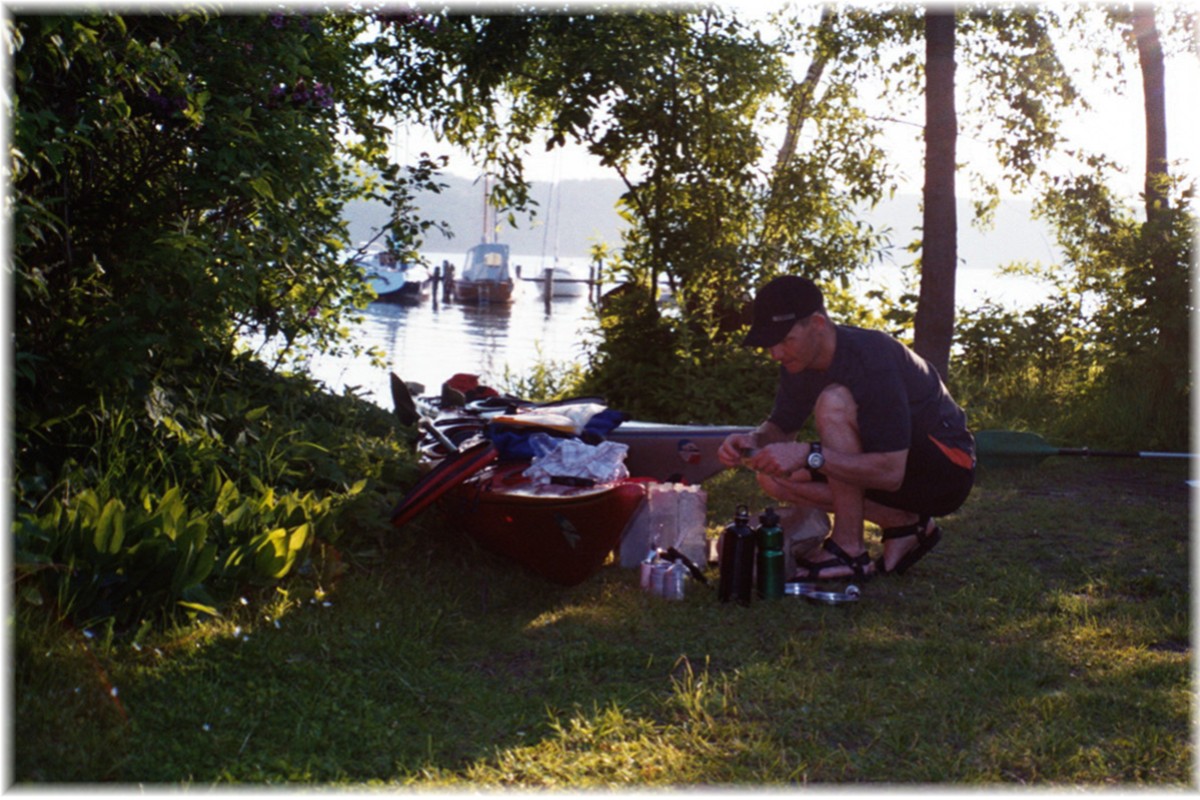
1150,56
1166,285
800,100
934,323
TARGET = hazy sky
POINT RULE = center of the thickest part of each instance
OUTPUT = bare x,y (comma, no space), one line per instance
1114,128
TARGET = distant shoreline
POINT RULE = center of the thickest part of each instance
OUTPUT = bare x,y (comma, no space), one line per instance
591,218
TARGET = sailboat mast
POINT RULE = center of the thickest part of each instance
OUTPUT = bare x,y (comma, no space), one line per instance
484,238
546,226
557,219
553,209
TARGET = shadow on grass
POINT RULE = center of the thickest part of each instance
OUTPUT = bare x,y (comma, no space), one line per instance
1046,640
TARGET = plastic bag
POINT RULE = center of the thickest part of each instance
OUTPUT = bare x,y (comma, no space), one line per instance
673,515
602,463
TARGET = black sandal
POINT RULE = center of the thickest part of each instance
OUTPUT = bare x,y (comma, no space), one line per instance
840,559
925,543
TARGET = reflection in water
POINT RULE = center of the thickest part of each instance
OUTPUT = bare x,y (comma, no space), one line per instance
428,343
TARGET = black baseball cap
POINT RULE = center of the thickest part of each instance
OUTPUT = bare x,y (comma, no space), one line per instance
779,305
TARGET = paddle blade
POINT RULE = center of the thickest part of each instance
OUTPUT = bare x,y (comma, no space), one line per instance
453,470
402,401
1011,448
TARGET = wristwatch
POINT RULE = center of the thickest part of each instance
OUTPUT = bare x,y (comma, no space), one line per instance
815,460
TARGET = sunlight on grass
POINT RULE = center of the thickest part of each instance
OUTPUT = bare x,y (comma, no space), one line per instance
602,615
994,661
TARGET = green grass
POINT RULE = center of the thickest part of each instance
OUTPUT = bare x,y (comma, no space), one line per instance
1046,641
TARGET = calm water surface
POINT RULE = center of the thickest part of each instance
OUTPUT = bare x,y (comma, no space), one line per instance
428,343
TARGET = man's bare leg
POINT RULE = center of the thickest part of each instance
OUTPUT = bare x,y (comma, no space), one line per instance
836,417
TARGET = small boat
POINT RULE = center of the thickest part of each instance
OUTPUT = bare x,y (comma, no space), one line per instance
395,281
408,284
562,281
675,453
485,276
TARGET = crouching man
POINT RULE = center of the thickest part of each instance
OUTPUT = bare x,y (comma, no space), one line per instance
893,446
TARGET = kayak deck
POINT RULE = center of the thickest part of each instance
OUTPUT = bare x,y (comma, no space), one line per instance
674,453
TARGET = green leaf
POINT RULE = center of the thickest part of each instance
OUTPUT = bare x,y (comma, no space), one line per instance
31,595
227,496
110,528
271,558
255,413
262,187
171,510
278,553
201,567
200,607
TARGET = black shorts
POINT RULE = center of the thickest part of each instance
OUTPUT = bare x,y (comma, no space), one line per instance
937,479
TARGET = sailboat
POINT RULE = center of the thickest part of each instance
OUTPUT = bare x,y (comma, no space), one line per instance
486,277
563,283
396,281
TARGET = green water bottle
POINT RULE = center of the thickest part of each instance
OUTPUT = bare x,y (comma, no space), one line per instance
770,556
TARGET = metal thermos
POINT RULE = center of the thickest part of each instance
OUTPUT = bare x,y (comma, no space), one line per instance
770,556
737,560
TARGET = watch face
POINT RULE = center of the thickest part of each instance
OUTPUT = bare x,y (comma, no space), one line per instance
816,460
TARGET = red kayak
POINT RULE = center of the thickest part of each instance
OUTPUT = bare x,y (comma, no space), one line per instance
563,533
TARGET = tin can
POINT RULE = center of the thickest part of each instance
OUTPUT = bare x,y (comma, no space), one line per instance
658,578
647,570
673,581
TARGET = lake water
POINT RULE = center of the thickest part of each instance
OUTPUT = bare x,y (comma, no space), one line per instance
428,343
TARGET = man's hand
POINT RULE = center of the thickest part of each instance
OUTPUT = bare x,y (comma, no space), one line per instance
735,447
779,460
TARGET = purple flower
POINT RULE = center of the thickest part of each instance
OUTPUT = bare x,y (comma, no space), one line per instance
277,21
163,106
322,95
300,92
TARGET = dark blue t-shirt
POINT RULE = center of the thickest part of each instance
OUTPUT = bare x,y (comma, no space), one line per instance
900,397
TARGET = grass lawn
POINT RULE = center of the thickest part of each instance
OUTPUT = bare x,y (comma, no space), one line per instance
1047,641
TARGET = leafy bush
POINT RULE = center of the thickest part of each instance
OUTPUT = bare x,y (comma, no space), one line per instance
546,380
654,366
1104,359
176,506
1018,368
